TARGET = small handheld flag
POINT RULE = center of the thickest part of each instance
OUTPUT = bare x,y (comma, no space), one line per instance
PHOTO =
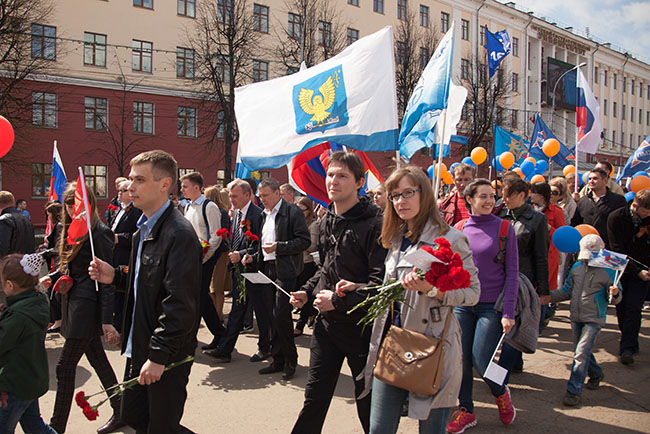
498,47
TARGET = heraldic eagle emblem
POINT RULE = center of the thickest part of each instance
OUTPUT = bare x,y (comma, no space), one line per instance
319,104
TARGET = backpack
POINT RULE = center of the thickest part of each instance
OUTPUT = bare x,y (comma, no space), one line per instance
225,221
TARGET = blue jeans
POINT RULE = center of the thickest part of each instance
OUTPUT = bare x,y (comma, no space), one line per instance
386,409
481,330
14,410
584,362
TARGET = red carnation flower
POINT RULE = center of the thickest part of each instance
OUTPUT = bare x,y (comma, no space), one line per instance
251,236
81,400
442,242
444,254
460,277
456,261
223,233
445,283
428,249
90,413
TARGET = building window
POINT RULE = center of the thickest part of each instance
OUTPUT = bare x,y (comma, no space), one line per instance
143,3
595,74
631,114
96,113
623,112
640,115
142,56
614,109
261,18
184,62
515,82
605,78
94,49
605,107
482,73
464,69
515,47
647,118
96,179
186,8
424,57
295,25
44,41
143,117
183,172
624,84
221,125
353,36
325,34
632,90
378,6
223,69
424,16
44,109
224,11
186,122
444,22
515,119
401,10
353,2
484,37
260,70
648,92
401,53
41,173
614,78
614,137
465,30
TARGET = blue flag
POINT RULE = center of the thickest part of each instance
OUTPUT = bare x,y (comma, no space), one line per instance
639,161
540,133
498,47
505,141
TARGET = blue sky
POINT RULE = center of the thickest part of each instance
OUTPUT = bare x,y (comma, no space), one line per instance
623,23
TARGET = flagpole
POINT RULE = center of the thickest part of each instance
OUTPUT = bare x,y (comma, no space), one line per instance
89,214
440,149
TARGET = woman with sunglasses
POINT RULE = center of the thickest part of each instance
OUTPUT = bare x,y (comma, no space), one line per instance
412,220
497,261
560,197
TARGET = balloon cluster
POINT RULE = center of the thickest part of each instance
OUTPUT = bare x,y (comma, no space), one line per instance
567,238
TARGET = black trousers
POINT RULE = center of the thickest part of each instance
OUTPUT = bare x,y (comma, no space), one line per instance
260,297
55,305
66,370
158,407
330,345
628,311
206,305
308,309
283,345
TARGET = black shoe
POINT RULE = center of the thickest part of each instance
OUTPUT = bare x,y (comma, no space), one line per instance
594,383
571,400
259,356
289,371
113,424
221,357
54,330
212,345
271,369
627,357
247,329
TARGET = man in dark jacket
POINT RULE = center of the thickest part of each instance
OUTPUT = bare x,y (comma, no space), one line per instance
599,202
161,318
284,236
16,230
352,257
629,233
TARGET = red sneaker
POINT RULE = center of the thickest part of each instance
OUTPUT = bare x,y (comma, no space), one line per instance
507,411
462,419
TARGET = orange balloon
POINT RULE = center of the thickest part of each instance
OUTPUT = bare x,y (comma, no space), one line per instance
478,155
612,172
443,168
640,183
537,178
448,178
569,169
507,159
496,183
518,171
532,160
551,147
587,229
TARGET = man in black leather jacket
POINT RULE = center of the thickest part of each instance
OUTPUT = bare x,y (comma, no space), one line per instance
16,230
161,318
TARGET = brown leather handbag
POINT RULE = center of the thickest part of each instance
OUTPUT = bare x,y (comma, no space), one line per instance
412,361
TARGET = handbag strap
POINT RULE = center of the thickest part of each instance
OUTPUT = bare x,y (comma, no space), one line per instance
444,330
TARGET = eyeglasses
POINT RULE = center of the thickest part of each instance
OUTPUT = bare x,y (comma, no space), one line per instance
123,191
555,192
406,194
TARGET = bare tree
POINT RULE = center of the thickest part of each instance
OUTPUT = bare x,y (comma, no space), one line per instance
414,45
27,49
486,100
224,40
314,32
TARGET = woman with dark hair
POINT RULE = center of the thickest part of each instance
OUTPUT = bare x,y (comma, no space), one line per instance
412,220
497,261
54,211
307,312
87,313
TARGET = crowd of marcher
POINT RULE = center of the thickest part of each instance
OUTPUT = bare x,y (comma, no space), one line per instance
167,253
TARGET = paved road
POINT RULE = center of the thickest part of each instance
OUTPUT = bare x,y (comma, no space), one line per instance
234,398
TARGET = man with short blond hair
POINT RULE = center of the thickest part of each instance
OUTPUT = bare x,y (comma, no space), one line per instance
453,207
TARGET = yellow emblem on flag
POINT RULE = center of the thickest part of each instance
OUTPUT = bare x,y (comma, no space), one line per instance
319,104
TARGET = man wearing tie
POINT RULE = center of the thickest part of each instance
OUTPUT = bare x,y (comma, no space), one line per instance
245,211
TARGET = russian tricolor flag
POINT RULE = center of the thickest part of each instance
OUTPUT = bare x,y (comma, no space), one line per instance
58,181
587,117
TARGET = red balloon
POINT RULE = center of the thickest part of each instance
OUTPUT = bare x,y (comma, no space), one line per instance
6,136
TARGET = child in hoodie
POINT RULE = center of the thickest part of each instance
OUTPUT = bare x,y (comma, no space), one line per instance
23,360
588,288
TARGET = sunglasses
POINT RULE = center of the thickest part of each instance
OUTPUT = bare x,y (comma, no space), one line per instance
123,191
555,192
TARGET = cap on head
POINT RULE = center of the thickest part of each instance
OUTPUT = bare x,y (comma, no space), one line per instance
590,243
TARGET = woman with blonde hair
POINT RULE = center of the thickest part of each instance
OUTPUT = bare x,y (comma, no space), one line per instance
412,220
221,278
560,196
87,312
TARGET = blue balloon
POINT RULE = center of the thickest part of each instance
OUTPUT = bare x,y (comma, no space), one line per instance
539,170
567,239
453,166
468,160
430,171
640,173
580,181
629,195
528,168
528,178
542,166
499,166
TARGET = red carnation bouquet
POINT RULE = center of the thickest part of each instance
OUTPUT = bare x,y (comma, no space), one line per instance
225,237
92,411
445,272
